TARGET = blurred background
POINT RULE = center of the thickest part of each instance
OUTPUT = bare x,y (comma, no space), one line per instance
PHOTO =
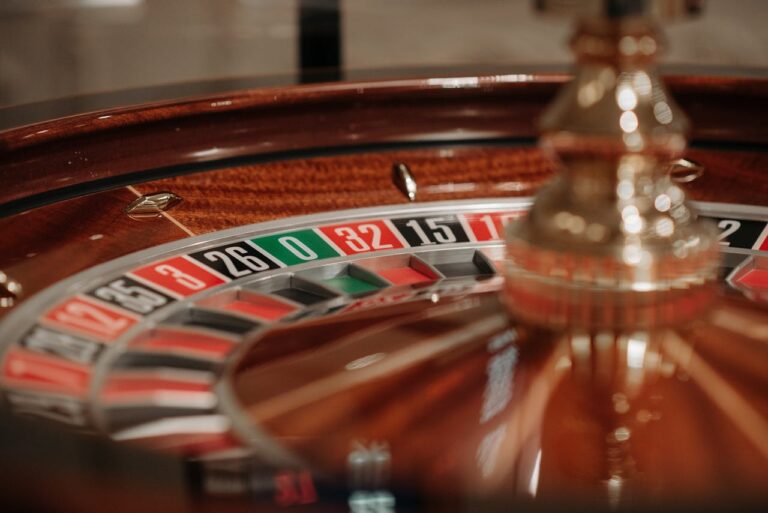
52,49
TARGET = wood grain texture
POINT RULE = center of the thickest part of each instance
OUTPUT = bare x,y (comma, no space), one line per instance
50,243
248,194
45,245
233,197
730,176
171,138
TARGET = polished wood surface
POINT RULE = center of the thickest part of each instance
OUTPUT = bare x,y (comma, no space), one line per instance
680,421
102,149
298,187
269,154
47,244
305,186
42,246
107,150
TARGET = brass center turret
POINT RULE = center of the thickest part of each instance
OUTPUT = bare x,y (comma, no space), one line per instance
611,242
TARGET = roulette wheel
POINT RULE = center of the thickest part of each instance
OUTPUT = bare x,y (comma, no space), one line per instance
343,296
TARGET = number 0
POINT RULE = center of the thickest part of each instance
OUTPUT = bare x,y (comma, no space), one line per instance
298,248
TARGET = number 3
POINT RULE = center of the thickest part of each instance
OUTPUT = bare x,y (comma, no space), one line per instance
181,277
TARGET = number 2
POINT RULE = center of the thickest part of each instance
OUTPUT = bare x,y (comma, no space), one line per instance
729,227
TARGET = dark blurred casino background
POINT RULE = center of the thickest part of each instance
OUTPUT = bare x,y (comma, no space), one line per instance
59,48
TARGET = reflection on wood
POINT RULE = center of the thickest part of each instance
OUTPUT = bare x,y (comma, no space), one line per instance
514,411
